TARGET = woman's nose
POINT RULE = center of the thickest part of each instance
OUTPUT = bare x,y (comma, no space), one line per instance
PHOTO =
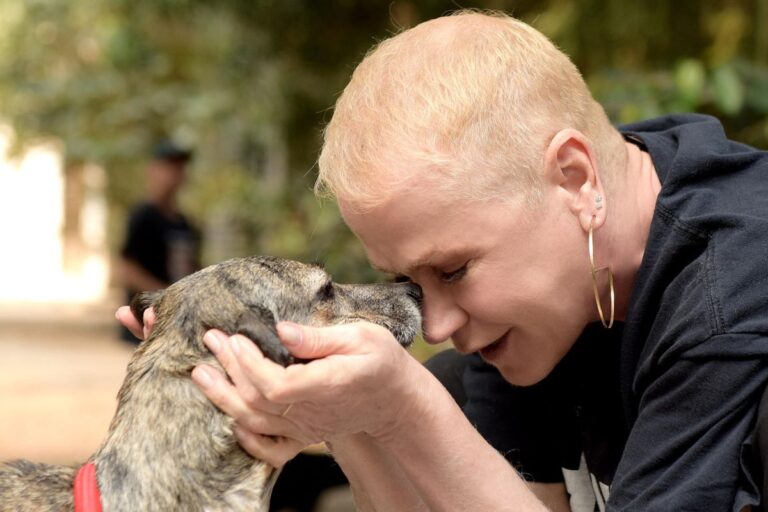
442,317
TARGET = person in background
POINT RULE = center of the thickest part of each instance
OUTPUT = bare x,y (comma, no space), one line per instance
161,245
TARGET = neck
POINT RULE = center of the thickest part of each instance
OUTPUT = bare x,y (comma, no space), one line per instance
629,223
169,448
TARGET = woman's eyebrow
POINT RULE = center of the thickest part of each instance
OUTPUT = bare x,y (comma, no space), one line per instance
426,260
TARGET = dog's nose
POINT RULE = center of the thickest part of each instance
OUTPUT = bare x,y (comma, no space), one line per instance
414,292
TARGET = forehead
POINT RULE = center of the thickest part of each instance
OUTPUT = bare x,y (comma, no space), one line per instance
413,229
285,270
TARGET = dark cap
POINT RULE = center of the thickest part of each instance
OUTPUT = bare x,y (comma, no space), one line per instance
171,152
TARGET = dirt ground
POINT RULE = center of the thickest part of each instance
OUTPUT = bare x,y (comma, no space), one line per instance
60,369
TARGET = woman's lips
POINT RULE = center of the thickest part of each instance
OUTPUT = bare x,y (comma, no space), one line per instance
492,351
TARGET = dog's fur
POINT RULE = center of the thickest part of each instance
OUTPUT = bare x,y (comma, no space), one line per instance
168,448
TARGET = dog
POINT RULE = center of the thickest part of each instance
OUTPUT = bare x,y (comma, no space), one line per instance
168,448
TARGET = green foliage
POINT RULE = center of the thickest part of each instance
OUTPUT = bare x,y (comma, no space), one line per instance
249,83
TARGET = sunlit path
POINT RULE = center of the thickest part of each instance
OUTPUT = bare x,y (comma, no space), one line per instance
60,370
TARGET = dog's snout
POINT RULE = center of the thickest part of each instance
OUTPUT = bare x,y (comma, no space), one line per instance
414,291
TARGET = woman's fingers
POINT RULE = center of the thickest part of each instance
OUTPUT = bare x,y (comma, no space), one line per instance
307,342
276,451
228,399
286,384
218,390
325,372
149,322
125,317
265,384
346,389
265,375
227,349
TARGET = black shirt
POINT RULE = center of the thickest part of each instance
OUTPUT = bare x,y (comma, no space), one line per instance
166,247
662,407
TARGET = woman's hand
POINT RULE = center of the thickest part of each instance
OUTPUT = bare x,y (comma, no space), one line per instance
125,316
359,380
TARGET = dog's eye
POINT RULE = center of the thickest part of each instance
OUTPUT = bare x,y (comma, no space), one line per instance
326,292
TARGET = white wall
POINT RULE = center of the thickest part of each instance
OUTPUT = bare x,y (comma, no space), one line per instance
31,229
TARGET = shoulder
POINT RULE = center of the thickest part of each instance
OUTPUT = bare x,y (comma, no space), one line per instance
709,235
186,223
142,212
145,222
685,146
700,280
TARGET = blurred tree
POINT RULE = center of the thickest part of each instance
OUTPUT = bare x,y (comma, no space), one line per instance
249,83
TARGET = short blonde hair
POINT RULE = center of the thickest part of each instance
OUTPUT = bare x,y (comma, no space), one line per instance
473,99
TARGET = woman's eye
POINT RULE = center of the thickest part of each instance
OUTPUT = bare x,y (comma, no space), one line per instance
454,275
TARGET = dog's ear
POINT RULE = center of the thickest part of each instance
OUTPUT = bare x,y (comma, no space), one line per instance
258,324
143,300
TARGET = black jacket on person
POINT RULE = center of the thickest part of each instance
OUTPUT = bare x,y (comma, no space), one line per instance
662,407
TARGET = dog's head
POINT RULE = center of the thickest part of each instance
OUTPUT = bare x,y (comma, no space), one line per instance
250,295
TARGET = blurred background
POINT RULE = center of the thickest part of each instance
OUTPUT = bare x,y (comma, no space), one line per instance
88,88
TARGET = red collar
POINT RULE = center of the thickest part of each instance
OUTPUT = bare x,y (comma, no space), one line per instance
86,490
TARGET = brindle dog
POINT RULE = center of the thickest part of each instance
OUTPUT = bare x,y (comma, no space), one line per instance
168,448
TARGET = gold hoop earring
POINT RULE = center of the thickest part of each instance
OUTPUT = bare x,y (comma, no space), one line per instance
609,324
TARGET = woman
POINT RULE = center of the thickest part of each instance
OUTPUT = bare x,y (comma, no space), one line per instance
467,155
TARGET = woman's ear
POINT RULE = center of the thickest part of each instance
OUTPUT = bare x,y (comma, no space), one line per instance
571,168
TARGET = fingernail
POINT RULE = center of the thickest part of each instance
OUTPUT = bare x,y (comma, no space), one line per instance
289,334
234,344
212,341
200,376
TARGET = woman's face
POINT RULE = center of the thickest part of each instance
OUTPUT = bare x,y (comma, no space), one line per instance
498,279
